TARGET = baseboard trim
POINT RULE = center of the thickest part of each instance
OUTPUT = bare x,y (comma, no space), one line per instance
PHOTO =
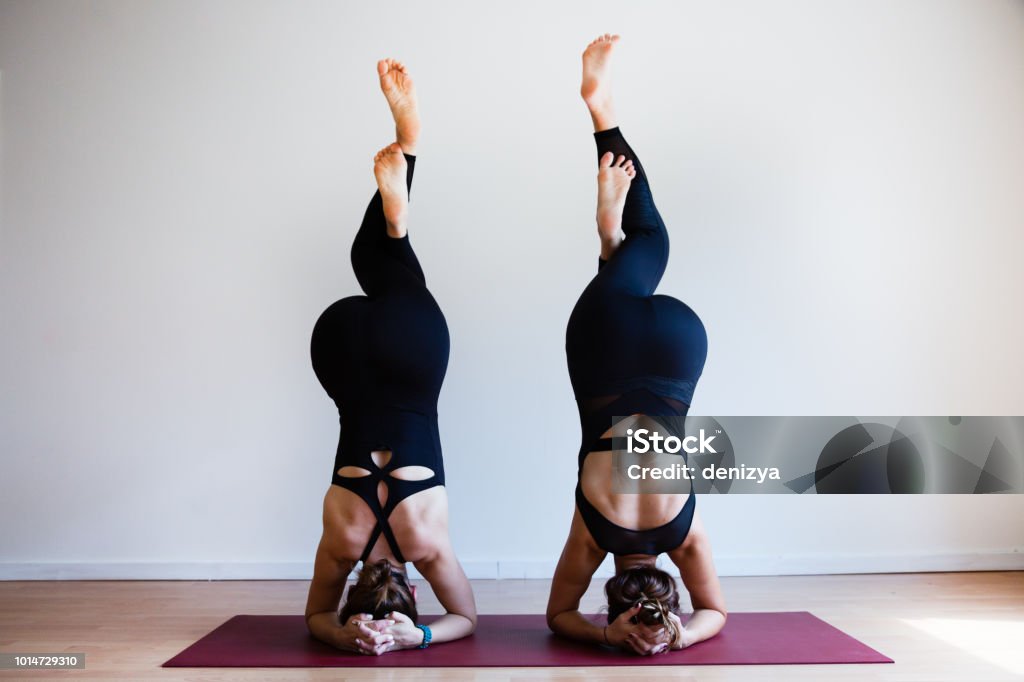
510,569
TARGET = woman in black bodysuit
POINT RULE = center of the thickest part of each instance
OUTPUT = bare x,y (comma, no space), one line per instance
382,358
630,352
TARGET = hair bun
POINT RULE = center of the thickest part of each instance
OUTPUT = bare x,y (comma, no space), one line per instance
650,587
381,588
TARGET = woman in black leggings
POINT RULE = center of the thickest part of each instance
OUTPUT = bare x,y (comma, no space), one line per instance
382,358
630,352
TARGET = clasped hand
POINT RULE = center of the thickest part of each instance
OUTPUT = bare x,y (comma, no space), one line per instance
642,639
375,637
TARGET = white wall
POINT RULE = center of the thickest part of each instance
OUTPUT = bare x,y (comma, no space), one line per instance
182,181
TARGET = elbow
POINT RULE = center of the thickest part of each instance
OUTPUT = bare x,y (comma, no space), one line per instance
716,608
472,618
314,625
724,617
551,618
469,616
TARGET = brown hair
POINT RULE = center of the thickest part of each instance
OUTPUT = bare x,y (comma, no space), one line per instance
380,589
652,588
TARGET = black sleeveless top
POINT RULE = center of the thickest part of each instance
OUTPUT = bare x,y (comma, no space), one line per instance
609,536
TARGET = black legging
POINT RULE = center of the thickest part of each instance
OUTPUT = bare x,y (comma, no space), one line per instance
381,262
621,333
382,358
631,351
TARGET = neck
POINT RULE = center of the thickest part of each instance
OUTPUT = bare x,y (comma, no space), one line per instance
628,561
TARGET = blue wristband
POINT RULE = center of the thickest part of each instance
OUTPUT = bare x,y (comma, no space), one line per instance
426,636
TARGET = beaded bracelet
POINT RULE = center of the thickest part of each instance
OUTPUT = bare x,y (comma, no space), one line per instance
426,637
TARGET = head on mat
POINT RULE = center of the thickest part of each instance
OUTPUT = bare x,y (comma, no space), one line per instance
652,590
630,351
381,590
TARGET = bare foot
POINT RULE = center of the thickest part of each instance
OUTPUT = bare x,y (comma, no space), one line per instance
614,176
389,167
400,92
596,88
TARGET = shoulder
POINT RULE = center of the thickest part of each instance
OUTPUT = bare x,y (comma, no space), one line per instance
420,524
580,536
696,540
345,527
581,554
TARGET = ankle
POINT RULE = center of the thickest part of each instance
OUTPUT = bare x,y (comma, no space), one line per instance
610,241
603,118
407,135
608,249
396,228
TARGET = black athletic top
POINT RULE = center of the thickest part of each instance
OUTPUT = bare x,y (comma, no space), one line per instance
631,351
382,358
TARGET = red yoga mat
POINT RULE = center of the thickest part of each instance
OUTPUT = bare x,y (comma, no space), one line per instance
525,641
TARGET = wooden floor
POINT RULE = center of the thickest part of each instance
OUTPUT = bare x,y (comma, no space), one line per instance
937,626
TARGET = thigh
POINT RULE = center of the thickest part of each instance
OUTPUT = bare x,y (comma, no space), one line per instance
605,335
676,345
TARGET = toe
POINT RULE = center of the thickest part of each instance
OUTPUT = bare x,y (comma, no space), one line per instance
606,160
382,67
620,160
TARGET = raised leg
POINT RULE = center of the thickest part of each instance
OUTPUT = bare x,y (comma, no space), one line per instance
382,256
634,241
381,260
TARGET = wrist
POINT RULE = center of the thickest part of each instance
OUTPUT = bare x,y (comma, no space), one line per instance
425,637
344,640
330,632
